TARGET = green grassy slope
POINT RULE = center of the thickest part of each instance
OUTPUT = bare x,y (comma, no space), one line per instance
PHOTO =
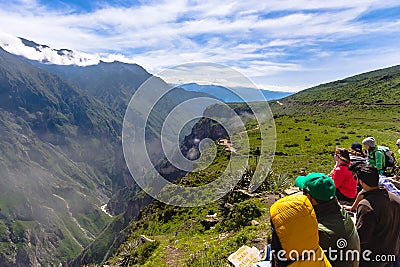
56,165
380,86
308,130
182,239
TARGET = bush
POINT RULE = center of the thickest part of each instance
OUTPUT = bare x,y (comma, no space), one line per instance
241,215
140,254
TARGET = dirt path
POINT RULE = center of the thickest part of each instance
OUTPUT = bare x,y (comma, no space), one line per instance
87,234
254,129
104,209
173,256
228,146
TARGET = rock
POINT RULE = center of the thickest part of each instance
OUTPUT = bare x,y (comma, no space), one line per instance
209,222
228,206
144,238
222,236
292,190
246,193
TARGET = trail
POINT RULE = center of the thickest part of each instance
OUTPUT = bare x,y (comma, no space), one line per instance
65,227
104,209
85,232
254,129
228,146
76,165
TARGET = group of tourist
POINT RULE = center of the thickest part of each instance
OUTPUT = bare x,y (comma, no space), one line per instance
315,228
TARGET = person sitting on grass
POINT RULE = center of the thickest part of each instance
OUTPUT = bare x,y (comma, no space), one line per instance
357,154
376,157
378,218
334,223
346,185
397,167
294,229
383,182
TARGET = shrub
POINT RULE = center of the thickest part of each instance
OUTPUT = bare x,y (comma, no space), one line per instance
141,254
241,215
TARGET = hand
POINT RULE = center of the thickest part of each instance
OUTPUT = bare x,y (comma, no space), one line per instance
347,207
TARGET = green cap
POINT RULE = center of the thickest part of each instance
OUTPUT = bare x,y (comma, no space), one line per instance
318,185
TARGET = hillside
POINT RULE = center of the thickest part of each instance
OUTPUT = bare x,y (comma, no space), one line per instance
375,87
61,150
111,83
57,165
61,160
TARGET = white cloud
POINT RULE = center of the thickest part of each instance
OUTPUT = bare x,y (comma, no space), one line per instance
46,54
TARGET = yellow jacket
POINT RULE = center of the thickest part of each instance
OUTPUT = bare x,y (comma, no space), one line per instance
296,226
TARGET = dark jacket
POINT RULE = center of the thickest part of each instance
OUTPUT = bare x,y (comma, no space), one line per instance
378,224
334,224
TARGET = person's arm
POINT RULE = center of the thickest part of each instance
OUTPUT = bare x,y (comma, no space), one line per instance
365,223
324,238
370,158
337,177
330,174
355,204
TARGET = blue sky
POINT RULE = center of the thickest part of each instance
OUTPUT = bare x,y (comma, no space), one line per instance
280,45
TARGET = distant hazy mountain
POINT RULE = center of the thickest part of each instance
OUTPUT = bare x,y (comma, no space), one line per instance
228,96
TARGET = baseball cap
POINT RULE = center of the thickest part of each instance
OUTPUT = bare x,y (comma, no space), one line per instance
318,185
356,146
398,142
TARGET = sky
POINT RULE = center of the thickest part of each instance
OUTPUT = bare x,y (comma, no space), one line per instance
279,45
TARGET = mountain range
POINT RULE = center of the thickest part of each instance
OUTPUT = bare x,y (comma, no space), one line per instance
66,194
236,94
61,156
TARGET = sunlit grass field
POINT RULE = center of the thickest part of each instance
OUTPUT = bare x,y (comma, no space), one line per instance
306,136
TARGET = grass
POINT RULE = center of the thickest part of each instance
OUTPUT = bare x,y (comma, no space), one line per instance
375,87
306,138
182,239
309,126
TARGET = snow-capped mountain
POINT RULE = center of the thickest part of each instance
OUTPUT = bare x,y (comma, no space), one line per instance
45,54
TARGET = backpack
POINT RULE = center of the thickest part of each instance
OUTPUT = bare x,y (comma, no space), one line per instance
389,156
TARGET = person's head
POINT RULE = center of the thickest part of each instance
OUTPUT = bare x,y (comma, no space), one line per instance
292,219
369,143
356,149
356,146
318,187
342,155
398,143
366,175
